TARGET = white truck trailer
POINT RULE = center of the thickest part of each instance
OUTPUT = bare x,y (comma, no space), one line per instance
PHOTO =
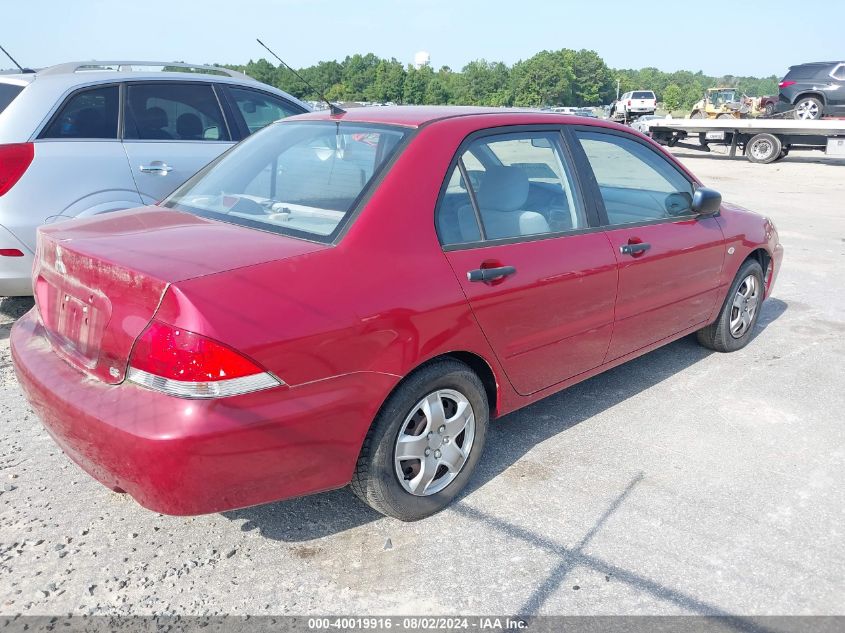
760,140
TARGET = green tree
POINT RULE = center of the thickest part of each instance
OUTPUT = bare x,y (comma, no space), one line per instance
416,84
484,83
546,79
592,81
549,78
262,71
359,73
673,97
389,82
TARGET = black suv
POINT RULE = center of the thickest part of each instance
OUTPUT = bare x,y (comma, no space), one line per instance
814,90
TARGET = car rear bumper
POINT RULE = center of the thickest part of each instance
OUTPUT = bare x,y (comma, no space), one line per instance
182,457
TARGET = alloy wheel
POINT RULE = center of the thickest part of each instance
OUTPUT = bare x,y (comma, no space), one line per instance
808,109
744,306
434,442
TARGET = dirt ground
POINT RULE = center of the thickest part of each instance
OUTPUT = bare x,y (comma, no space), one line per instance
685,482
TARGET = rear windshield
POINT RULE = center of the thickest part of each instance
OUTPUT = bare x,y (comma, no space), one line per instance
8,92
643,94
806,72
300,178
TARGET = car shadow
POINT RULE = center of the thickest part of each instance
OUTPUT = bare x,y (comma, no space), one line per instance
508,439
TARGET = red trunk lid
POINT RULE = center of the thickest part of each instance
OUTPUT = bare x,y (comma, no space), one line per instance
99,281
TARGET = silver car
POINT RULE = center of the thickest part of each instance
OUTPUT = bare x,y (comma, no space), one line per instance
91,137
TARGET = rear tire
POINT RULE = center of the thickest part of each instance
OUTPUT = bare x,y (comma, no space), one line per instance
734,326
698,114
763,148
447,457
769,109
808,109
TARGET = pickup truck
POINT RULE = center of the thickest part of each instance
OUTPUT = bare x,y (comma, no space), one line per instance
633,104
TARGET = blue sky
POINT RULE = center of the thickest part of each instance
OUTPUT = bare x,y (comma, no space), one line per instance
748,37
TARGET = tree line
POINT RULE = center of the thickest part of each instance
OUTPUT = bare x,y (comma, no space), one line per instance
549,78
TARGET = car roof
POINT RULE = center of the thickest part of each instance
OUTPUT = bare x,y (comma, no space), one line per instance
72,74
816,64
416,116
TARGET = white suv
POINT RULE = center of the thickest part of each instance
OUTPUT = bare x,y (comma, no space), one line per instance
633,104
90,137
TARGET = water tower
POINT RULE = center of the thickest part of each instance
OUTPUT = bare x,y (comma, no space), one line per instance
422,58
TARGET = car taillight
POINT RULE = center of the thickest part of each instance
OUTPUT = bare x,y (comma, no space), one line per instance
11,252
629,102
786,84
188,365
15,159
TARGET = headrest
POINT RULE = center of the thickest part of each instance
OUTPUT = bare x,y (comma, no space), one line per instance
189,125
155,118
503,189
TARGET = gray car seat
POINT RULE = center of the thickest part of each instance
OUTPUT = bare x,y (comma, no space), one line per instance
501,200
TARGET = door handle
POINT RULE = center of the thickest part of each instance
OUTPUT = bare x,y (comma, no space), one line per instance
489,274
634,249
156,167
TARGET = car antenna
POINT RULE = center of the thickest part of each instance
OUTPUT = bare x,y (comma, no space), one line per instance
21,68
335,110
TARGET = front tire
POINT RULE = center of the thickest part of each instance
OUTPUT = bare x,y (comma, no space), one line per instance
734,326
425,442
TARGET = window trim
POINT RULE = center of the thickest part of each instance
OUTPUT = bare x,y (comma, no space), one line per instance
836,69
595,190
566,155
51,118
128,84
237,115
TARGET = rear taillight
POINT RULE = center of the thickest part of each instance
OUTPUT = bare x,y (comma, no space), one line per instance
629,102
11,252
187,365
786,84
14,161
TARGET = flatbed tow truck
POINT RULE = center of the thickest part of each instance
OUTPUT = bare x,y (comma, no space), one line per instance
760,140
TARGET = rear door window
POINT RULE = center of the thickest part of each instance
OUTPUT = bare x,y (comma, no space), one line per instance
517,185
8,92
643,95
259,109
89,113
175,112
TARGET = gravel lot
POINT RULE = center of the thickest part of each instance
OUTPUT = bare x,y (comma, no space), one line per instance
685,482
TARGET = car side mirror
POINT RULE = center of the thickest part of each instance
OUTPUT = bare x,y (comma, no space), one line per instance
706,201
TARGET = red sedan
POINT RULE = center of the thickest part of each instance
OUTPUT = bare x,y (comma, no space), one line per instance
351,298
